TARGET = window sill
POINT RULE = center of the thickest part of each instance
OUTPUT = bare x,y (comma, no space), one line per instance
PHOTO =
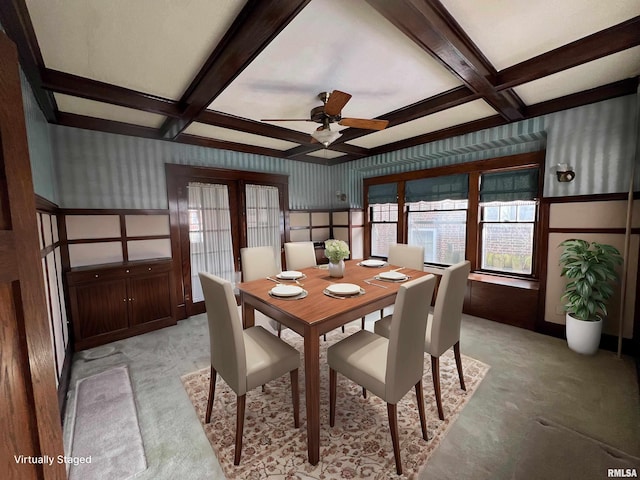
524,283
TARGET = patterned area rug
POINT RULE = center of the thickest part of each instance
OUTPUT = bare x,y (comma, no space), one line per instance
359,446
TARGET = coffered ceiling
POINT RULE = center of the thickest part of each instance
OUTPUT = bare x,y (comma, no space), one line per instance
207,72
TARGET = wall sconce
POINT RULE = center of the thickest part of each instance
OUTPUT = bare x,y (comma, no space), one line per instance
564,173
341,196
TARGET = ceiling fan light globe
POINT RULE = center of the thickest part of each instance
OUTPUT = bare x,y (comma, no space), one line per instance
326,136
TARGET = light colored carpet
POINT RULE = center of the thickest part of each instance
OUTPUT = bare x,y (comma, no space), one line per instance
106,428
550,450
359,446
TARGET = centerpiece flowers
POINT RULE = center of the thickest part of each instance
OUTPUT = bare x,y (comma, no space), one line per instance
336,251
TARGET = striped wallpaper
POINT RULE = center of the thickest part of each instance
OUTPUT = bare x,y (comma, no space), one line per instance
101,170
39,139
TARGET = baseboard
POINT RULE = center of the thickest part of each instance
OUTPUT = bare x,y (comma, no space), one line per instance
65,379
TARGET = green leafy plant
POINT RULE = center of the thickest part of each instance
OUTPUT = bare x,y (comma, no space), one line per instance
591,268
336,250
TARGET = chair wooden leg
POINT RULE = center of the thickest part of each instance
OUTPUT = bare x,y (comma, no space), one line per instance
381,312
393,426
456,352
295,397
342,328
332,396
240,404
435,373
263,389
212,391
325,337
279,329
420,400
364,392
362,326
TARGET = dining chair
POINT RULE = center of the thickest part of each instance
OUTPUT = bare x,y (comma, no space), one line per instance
388,367
403,255
245,359
443,325
299,255
259,262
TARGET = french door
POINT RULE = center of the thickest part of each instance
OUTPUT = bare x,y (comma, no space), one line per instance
216,213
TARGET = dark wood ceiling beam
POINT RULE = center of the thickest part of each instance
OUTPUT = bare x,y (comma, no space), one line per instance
461,129
109,126
353,150
224,120
628,86
255,27
16,22
241,147
605,92
606,42
431,27
70,84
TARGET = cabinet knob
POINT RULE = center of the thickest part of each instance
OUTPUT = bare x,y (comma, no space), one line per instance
124,299
97,275
127,270
149,268
129,299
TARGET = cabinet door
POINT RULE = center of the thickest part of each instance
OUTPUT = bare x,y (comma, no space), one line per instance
150,298
102,307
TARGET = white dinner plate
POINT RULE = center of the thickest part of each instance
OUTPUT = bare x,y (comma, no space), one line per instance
290,275
343,289
392,276
373,263
286,290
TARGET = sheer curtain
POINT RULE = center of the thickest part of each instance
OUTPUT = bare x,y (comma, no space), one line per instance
263,218
210,239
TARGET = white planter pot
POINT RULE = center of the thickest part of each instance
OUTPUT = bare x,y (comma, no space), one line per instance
583,337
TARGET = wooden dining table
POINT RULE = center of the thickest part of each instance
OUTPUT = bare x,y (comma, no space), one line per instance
317,314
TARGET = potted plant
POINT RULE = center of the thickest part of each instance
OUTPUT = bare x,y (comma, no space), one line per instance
336,251
591,270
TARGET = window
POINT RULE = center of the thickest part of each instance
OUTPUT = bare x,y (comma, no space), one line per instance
441,227
484,211
384,227
507,220
383,217
507,236
437,217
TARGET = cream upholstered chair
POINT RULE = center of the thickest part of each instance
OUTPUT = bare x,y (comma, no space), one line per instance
409,256
402,255
388,367
259,262
443,326
245,359
299,255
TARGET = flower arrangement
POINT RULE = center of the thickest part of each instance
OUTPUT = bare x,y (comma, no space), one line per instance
336,250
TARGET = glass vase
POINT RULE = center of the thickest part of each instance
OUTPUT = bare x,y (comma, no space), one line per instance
336,269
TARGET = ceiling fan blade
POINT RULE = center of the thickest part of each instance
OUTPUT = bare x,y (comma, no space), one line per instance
364,123
336,101
285,120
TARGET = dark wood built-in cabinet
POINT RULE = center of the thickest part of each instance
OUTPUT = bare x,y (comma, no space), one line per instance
115,301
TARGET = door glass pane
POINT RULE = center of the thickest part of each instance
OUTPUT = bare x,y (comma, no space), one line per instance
210,239
263,218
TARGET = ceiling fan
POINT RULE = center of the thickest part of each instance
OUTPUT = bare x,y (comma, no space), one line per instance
331,112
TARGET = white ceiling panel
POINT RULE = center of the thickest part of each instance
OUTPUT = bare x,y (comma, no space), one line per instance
154,46
599,72
228,135
431,123
511,31
341,45
107,111
327,153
